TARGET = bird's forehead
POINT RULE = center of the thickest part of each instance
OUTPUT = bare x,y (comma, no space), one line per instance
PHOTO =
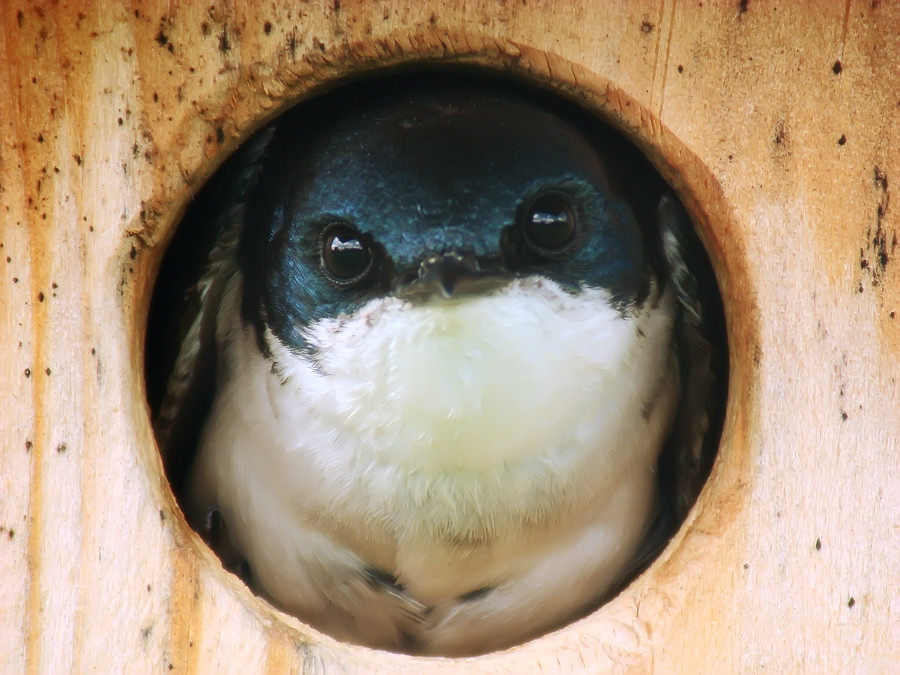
416,167
473,137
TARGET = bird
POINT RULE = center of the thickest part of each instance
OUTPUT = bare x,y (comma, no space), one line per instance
445,379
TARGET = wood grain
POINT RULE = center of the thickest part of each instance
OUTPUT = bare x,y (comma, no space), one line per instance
778,123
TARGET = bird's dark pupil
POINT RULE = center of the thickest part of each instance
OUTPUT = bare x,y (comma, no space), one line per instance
550,223
345,255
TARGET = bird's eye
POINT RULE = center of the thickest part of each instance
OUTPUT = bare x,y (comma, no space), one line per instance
346,256
549,223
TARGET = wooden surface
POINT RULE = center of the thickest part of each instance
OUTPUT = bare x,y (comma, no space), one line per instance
780,125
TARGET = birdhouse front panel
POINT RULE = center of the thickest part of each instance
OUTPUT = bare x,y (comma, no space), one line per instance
269,172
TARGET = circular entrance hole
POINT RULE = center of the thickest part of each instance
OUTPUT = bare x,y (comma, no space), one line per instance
437,361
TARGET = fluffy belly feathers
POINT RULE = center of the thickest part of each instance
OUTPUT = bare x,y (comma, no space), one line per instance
454,445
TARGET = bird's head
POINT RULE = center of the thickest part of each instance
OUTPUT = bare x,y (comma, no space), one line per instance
432,194
465,266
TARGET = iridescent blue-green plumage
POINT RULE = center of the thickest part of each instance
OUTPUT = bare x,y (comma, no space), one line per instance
426,168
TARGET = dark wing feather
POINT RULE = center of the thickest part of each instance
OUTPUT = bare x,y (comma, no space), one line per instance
699,339
205,245
688,456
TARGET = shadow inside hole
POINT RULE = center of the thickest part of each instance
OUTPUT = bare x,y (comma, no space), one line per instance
186,261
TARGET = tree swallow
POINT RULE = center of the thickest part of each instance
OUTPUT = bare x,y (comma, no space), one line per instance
446,371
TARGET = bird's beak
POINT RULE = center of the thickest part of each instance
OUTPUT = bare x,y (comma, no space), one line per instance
450,276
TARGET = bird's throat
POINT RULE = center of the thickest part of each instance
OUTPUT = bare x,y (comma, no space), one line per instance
529,371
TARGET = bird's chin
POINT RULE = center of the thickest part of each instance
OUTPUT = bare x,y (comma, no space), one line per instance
487,381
